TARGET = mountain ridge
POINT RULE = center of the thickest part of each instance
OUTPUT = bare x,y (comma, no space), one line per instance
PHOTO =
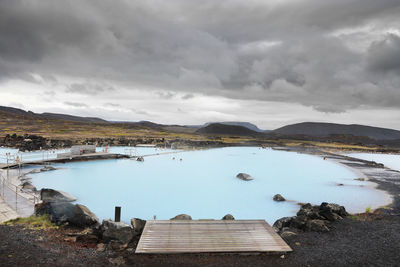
323,129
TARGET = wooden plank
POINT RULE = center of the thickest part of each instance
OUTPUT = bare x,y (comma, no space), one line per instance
179,236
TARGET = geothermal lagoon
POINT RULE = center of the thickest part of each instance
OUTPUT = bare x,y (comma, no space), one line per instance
203,184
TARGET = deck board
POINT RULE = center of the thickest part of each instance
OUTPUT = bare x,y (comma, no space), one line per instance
237,236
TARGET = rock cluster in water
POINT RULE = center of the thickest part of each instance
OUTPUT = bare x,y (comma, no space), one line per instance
311,218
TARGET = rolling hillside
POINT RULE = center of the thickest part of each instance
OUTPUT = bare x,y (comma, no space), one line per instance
328,129
223,129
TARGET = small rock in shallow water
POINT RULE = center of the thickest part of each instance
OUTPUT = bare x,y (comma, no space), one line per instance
244,176
279,197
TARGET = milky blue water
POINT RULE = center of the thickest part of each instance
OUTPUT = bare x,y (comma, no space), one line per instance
204,185
389,160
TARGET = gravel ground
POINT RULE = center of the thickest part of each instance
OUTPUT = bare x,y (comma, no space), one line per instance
374,242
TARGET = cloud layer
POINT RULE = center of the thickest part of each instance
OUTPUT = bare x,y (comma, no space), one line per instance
333,56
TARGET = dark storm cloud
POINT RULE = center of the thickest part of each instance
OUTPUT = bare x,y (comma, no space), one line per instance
384,55
290,51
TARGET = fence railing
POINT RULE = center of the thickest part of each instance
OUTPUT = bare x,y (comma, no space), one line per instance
24,157
11,194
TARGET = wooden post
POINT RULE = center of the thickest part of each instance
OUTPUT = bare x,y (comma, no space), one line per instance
117,214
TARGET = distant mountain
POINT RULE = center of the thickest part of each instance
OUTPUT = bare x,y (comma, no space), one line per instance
21,112
16,111
71,117
248,125
327,129
224,129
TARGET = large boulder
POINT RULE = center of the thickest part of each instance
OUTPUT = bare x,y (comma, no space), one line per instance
116,231
66,212
182,217
60,212
137,225
244,177
278,197
51,195
83,217
228,217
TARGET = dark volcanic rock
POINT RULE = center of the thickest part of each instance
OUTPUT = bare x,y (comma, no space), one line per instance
181,217
244,176
316,226
28,186
63,212
309,211
60,212
283,222
299,222
83,217
279,197
116,231
335,208
312,218
228,217
51,195
138,225
287,235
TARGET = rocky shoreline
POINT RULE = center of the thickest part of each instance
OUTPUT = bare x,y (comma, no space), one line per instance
33,142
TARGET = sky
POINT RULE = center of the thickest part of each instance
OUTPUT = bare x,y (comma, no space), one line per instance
271,63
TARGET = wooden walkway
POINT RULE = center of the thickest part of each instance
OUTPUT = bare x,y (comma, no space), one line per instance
237,236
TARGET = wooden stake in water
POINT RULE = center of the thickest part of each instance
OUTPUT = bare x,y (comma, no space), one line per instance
117,214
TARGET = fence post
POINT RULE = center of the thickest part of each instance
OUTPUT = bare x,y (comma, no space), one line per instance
16,198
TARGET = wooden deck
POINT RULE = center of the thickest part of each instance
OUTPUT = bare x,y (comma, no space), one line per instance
238,236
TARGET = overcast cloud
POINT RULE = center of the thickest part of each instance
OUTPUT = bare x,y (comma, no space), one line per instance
267,62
